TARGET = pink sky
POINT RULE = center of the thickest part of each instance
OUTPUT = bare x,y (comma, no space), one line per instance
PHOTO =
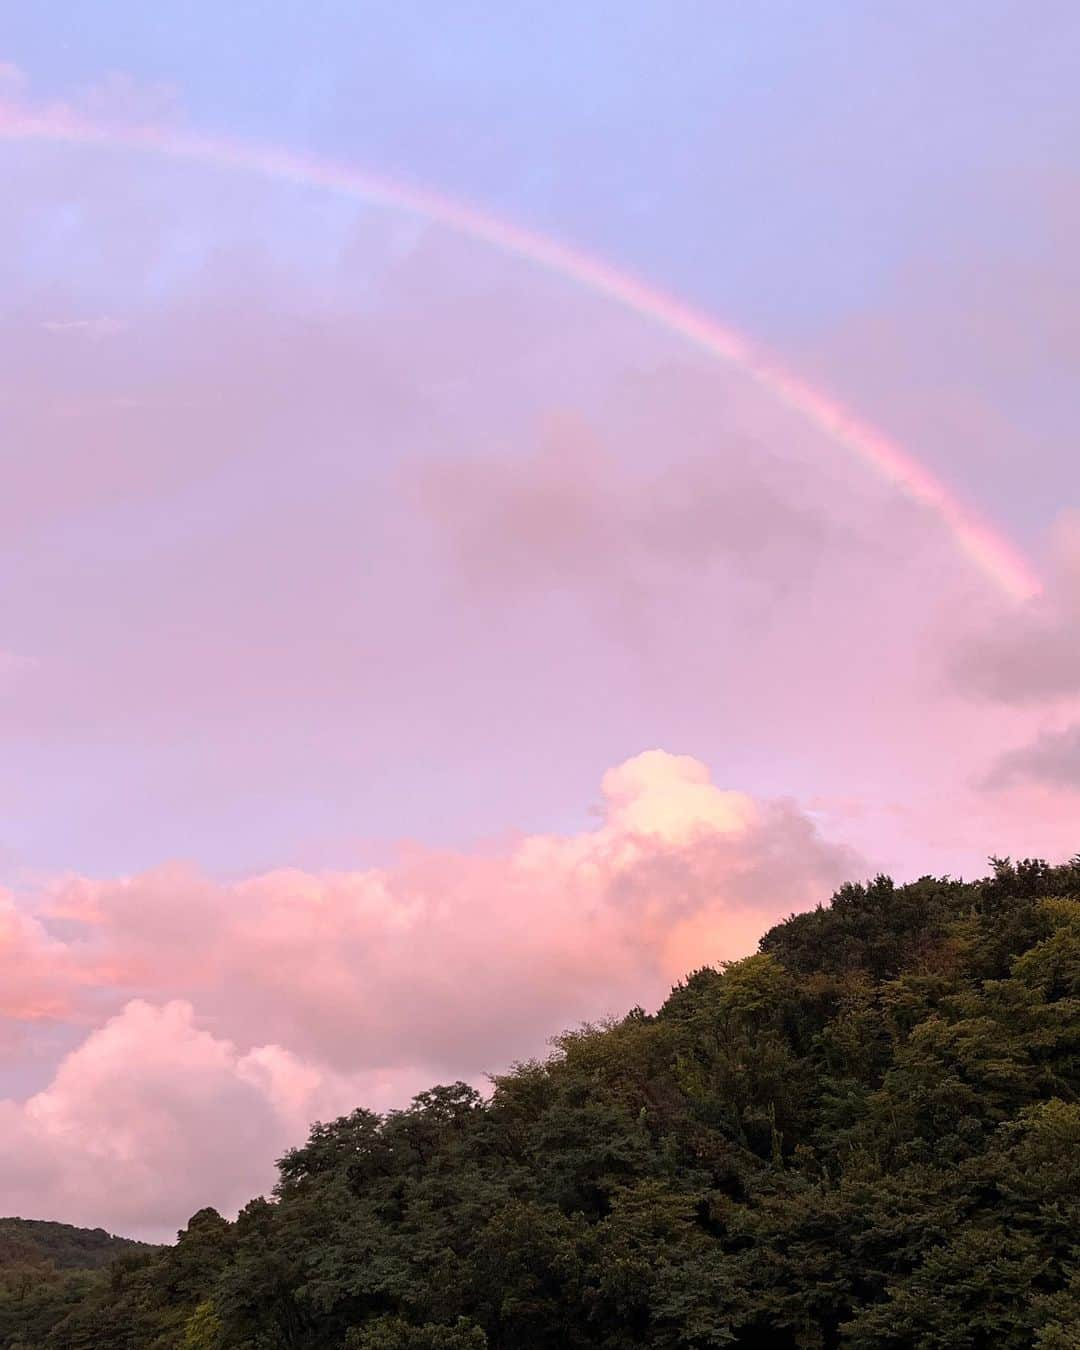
406,655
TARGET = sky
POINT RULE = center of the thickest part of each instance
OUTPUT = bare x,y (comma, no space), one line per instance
406,652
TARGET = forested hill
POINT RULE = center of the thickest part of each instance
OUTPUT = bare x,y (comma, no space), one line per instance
865,1135
32,1242
49,1269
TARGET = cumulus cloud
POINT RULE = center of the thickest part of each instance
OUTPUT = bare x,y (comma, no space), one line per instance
1033,656
152,1110
462,960
237,1012
38,971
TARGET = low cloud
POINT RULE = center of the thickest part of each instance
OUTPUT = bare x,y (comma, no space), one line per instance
460,961
153,1109
237,1012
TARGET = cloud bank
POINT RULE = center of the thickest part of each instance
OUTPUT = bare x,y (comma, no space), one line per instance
223,1017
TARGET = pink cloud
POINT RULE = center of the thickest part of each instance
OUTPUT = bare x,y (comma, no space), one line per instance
408,963
153,1110
37,972
239,1011
581,514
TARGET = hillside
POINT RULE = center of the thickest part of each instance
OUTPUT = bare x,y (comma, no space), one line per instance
865,1135
48,1269
60,1245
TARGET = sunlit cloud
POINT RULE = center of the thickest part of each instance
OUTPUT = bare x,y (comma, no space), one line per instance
283,996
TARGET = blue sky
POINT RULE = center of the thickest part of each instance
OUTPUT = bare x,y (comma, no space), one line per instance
651,128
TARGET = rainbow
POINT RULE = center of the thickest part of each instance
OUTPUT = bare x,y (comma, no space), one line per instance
994,555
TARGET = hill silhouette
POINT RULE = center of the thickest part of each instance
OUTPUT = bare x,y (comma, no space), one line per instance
48,1269
60,1245
865,1135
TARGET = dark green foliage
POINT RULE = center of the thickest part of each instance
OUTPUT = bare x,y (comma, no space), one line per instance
867,1135
59,1245
47,1271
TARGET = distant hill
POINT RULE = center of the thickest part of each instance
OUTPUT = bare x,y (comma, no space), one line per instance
61,1245
49,1271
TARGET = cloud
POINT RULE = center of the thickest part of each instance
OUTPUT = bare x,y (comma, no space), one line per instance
102,326
577,515
1052,758
406,963
153,1110
236,1012
39,973
1033,656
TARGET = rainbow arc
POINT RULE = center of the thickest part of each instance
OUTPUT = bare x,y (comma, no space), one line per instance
986,547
